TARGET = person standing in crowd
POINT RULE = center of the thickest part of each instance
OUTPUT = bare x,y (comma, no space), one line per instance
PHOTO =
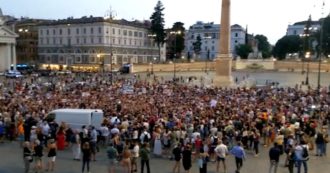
202,161
76,145
320,144
291,157
186,158
301,154
144,154
112,156
256,139
274,157
221,152
86,156
126,159
104,135
27,156
38,153
52,149
60,138
239,153
93,142
177,153
135,156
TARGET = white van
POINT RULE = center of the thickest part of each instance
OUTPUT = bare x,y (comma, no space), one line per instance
76,118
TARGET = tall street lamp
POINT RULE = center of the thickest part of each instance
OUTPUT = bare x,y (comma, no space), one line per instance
175,33
307,56
320,51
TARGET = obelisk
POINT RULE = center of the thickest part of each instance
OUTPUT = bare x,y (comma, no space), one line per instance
223,62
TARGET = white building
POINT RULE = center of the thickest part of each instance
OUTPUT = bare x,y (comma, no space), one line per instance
88,42
299,27
209,33
7,46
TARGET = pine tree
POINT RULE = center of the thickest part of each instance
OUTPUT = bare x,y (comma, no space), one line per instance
157,25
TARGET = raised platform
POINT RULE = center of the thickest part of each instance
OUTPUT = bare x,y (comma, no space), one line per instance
223,65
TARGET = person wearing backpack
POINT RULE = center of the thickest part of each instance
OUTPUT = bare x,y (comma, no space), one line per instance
302,156
145,136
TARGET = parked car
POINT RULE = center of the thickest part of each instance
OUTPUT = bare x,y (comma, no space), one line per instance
13,74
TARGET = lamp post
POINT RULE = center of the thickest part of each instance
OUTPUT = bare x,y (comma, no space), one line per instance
101,61
320,51
175,33
152,65
307,56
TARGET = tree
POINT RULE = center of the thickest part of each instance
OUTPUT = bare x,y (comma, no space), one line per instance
243,50
179,38
263,46
325,37
175,40
287,44
198,45
157,25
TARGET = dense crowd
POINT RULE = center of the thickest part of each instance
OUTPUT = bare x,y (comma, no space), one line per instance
167,119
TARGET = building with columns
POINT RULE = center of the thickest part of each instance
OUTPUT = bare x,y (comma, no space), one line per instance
89,43
209,33
7,46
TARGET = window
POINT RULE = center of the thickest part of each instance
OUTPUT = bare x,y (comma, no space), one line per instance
54,41
54,32
124,32
205,48
84,30
60,31
294,32
60,40
113,41
41,32
69,41
124,42
129,33
236,34
92,30
100,40
47,40
135,34
118,31
113,31
85,41
77,40
212,48
69,31
92,40
77,31
236,41
140,34
47,32
100,30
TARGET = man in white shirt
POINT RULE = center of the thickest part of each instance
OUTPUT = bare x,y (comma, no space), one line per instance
145,136
135,156
221,151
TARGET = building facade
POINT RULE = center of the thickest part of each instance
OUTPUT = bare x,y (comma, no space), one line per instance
89,43
210,34
7,45
299,28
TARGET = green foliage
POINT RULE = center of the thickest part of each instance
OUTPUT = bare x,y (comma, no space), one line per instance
325,36
263,45
243,50
255,66
157,25
177,43
198,45
287,44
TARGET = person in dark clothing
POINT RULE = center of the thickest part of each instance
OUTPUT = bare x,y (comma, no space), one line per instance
27,156
202,162
87,152
291,158
177,157
144,154
38,153
274,157
186,158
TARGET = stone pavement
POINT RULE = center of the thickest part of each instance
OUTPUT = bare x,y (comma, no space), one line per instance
11,162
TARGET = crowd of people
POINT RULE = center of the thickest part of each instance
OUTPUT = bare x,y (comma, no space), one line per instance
170,120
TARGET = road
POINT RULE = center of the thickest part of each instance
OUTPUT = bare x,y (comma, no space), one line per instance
11,162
